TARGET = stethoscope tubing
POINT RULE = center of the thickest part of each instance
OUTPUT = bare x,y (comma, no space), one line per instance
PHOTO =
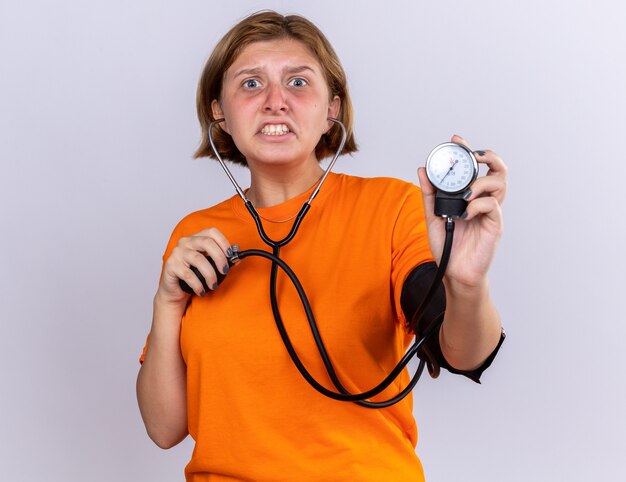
344,394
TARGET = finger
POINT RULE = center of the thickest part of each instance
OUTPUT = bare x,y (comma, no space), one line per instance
494,162
494,186
211,248
182,272
459,140
219,238
425,184
178,267
485,206
199,261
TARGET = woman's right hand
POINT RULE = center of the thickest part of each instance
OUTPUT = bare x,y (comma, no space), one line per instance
162,380
191,251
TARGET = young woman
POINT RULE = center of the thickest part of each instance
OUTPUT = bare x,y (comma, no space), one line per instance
215,366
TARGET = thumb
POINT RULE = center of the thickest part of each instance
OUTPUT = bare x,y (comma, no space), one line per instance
428,191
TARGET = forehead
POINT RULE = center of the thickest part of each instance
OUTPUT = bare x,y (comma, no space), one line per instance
271,54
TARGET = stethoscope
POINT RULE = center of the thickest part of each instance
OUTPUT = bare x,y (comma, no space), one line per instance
343,394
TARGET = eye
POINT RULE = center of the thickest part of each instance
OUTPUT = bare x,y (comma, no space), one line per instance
251,84
298,82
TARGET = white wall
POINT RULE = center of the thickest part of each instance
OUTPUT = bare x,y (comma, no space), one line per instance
97,128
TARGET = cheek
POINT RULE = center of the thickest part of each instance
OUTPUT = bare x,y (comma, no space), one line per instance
320,116
236,116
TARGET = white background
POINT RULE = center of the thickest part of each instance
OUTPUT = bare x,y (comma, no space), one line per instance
97,129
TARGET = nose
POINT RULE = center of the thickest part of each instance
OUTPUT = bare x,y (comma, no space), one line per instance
275,100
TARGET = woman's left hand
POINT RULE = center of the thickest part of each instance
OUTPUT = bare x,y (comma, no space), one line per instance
476,234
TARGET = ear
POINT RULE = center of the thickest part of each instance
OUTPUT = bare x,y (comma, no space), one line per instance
334,106
216,109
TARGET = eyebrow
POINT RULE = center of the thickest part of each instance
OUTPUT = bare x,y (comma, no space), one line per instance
288,70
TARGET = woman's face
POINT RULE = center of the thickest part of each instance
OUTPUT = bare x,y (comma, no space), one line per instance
275,102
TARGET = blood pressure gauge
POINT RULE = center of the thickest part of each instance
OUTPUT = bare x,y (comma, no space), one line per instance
451,168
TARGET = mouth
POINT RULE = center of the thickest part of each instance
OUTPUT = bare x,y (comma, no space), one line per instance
275,129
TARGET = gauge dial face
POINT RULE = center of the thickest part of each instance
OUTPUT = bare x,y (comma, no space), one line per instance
451,167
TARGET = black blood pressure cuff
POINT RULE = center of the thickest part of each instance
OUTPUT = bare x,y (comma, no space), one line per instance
414,291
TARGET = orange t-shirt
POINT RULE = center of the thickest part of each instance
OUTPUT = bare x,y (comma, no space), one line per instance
250,412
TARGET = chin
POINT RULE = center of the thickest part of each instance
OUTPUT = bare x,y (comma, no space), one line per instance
277,157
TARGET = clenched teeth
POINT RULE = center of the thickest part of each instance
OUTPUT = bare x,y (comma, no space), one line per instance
275,129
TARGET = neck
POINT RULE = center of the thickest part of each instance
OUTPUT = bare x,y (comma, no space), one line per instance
269,187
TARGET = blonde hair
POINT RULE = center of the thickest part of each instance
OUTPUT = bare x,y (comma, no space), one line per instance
264,26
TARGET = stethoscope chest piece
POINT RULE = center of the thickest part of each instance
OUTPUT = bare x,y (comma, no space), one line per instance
451,169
